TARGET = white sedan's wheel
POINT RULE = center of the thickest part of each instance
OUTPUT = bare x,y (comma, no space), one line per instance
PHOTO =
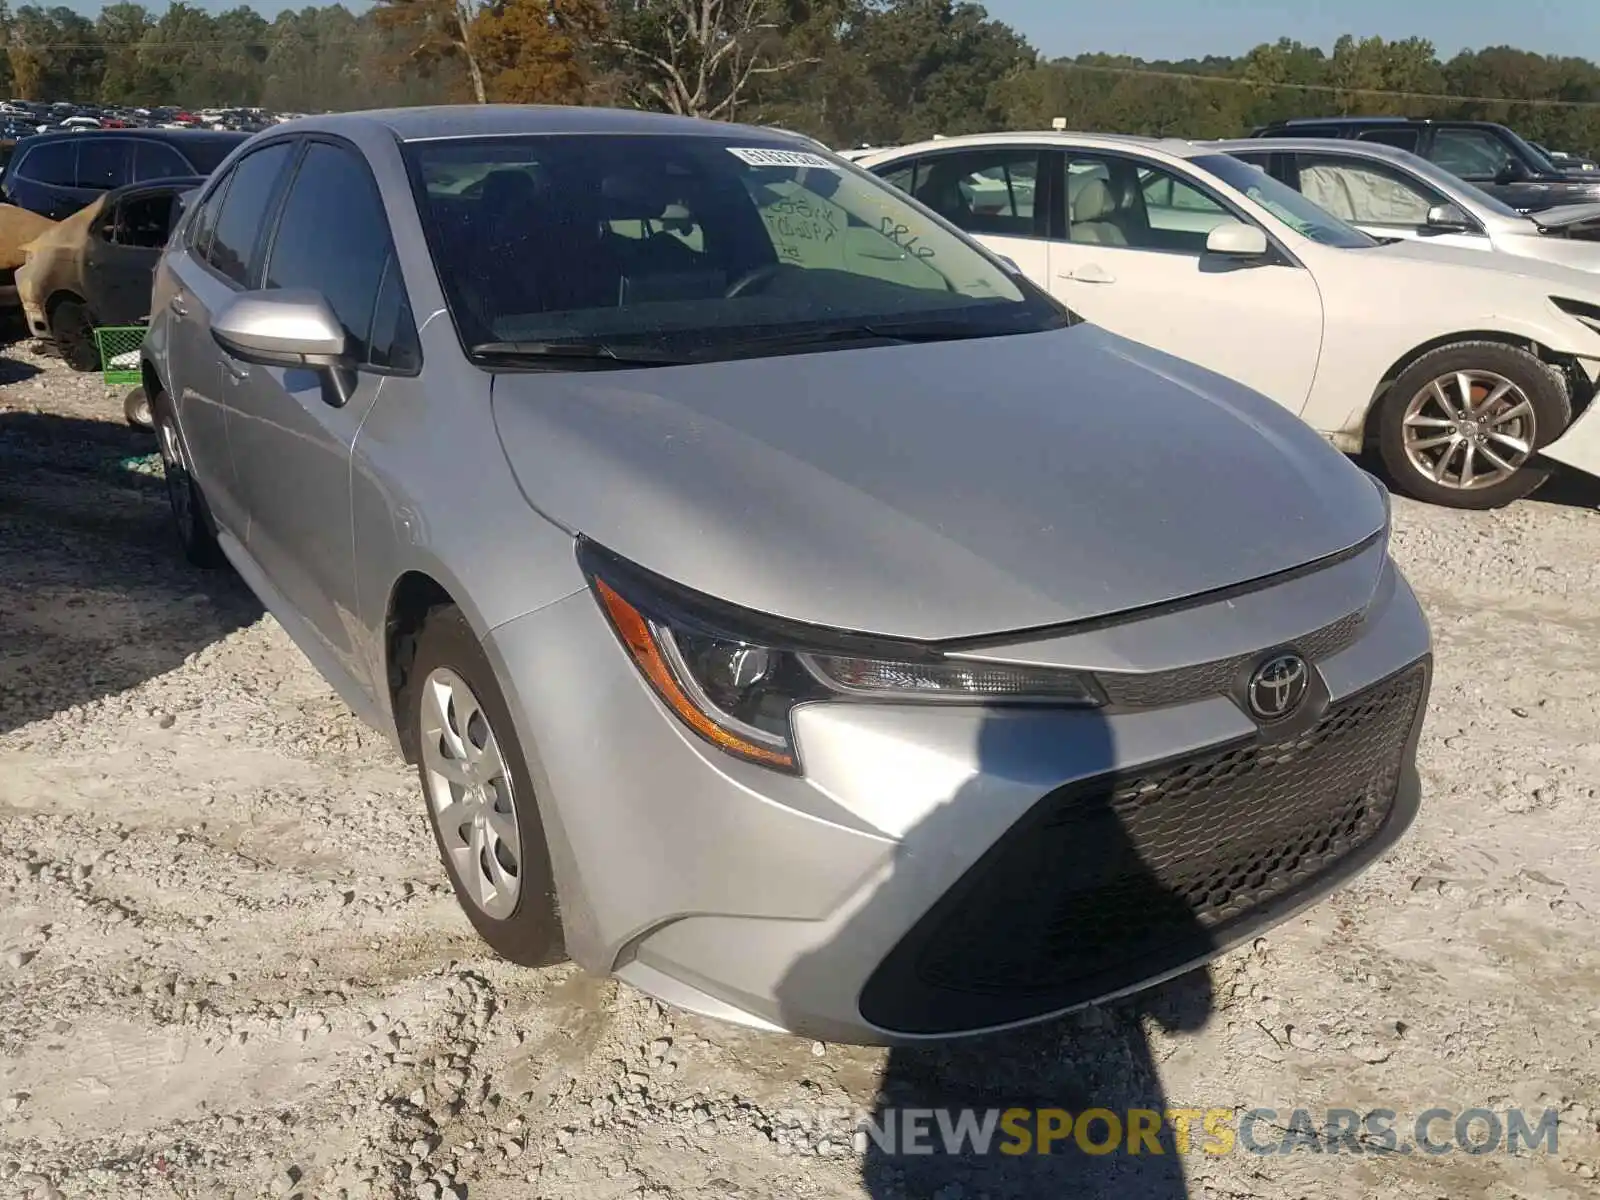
1462,426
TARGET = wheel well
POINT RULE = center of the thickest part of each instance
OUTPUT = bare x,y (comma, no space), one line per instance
57,300
151,381
413,597
1561,364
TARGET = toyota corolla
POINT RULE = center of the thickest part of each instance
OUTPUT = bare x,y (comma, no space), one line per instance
788,608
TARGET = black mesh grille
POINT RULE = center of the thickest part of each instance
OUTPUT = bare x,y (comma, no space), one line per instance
1178,686
1110,882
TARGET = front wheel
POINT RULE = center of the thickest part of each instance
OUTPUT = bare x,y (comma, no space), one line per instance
190,516
480,798
1462,425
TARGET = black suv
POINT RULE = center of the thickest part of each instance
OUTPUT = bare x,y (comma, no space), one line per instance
56,174
1481,152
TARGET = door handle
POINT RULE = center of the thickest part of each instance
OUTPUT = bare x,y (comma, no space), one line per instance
237,371
1089,273
178,307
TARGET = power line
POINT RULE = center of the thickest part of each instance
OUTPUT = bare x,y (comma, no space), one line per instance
1321,88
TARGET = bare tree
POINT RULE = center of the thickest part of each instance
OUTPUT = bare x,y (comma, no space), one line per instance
697,58
438,29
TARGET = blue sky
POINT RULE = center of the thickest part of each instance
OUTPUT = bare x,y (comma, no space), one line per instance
1194,28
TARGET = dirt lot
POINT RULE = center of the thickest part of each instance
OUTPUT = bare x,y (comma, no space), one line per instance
230,965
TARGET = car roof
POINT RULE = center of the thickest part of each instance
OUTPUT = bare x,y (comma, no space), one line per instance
1282,145
1362,122
499,120
1177,147
181,136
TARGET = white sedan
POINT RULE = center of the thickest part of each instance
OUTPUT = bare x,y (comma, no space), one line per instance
1471,372
1389,192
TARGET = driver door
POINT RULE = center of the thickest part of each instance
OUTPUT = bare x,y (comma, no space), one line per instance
1134,260
121,257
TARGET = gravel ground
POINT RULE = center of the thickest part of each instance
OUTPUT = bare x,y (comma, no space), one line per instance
230,964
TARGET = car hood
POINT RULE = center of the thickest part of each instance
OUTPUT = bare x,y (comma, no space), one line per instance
1569,218
1549,277
936,490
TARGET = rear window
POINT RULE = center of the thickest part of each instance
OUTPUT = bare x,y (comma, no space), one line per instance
206,154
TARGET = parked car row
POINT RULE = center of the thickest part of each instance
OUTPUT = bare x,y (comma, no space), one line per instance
789,606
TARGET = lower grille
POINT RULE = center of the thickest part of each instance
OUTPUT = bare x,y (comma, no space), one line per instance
1121,878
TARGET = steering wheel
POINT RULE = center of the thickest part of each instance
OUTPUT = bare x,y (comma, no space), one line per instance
750,279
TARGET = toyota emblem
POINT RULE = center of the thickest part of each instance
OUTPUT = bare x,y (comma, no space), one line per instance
1278,686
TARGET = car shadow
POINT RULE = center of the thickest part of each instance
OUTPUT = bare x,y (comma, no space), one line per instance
1569,488
95,597
1053,912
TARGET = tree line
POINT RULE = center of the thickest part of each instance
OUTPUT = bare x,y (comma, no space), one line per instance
849,72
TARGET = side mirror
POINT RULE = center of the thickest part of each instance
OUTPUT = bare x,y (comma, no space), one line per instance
1512,172
1447,217
290,328
1235,239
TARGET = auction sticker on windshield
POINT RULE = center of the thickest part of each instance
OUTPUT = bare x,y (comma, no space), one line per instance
757,157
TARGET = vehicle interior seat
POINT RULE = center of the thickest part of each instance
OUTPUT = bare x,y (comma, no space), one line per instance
502,278
1093,214
942,192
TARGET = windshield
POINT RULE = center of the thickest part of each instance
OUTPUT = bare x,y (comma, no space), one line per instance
1283,202
699,247
1536,156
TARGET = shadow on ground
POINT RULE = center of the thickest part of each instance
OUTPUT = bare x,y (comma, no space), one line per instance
1074,900
95,597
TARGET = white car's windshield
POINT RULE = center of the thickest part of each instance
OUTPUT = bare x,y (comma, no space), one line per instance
694,247
1283,202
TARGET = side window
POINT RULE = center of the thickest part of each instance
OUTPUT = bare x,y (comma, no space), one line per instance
1363,192
145,221
236,243
102,162
1113,201
1469,153
333,237
394,332
982,191
55,163
154,160
205,218
901,176
1403,138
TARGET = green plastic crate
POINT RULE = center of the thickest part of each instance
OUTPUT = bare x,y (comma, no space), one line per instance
119,352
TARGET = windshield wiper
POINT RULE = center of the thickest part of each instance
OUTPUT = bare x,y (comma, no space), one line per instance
571,353
904,332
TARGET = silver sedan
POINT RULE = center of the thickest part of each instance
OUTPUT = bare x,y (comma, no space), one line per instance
788,608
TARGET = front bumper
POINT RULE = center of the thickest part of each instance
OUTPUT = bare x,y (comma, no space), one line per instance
935,871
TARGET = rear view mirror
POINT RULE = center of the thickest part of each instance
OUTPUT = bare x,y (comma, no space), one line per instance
1448,217
1235,239
287,328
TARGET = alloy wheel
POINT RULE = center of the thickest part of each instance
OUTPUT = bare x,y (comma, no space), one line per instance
179,494
1469,430
469,791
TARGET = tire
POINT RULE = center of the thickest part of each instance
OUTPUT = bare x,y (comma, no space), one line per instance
1534,410
450,683
136,409
72,328
191,515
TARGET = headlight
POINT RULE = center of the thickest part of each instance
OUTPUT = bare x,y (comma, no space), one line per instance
735,677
